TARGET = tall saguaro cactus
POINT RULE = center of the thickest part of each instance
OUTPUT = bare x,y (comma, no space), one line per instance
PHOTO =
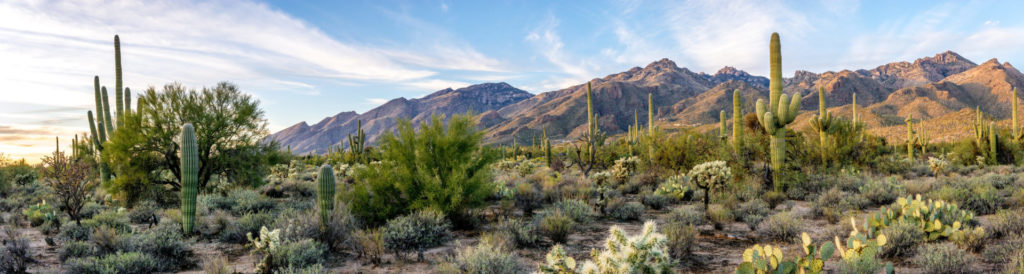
357,143
823,124
721,125
325,194
911,137
189,177
779,112
985,137
547,148
737,121
854,117
586,156
1017,134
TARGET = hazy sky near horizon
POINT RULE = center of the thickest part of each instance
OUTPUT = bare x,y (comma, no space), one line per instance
308,60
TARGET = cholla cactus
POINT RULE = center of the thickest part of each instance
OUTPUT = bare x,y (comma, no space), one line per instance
646,252
557,262
643,253
676,187
937,165
709,176
624,167
601,178
265,244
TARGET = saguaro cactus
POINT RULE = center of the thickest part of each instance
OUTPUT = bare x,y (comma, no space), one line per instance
650,114
855,118
1017,134
721,125
586,156
985,137
823,124
779,112
992,141
547,148
911,138
325,194
357,143
737,121
189,177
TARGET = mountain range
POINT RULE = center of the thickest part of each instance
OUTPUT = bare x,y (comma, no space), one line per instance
939,91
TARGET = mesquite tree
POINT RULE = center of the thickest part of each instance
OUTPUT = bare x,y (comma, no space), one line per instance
70,180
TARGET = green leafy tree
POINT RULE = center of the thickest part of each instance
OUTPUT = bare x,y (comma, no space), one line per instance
230,129
442,168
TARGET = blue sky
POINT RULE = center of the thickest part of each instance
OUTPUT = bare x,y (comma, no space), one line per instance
308,60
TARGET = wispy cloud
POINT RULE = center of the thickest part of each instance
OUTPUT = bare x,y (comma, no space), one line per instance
548,43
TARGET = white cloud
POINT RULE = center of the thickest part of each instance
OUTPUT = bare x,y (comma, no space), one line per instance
549,44
377,101
713,34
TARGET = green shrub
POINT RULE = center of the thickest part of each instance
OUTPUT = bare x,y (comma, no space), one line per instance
903,239
164,244
942,258
830,205
654,201
1006,223
15,254
440,167
416,232
213,224
131,262
774,198
579,211
630,211
972,240
111,219
312,269
527,198
720,216
522,234
983,199
206,203
1002,252
487,257
681,238
687,215
882,192
144,213
249,201
298,254
74,232
782,226
556,226
752,212
248,223
105,239
75,249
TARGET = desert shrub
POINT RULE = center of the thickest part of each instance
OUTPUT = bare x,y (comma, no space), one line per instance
720,216
338,230
676,187
828,203
642,253
144,212
903,239
131,262
248,201
983,199
111,219
942,258
165,244
782,226
687,215
298,254
369,245
416,232
653,200
15,254
527,198
882,192
312,269
211,225
1016,264
90,209
249,223
752,212
681,238
522,234
74,232
487,257
206,203
578,210
1006,223
438,166
774,198
556,226
1002,252
75,249
40,213
105,239
972,240
920,186
217,265
630,211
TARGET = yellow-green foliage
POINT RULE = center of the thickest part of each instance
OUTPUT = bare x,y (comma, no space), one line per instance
643,253
938,219
769,259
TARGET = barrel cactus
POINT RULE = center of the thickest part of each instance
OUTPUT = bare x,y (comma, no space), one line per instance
189,177
777,113
325,194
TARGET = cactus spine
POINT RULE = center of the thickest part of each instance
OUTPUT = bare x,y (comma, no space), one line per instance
189,177
823,124
737,124
779,112
325,194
